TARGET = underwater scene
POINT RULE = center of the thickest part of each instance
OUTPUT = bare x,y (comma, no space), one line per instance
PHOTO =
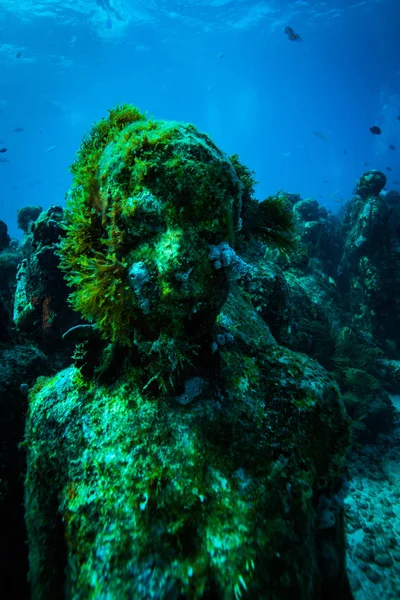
200,300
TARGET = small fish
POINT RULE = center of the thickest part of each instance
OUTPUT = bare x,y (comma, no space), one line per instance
375,130
325,181
17,130
396,182
18,55
4,160
292,35
335,192
320,135
364,163
2,150
344,151
51,148
286,154
391,147
339,199
398,117
220,55
388,168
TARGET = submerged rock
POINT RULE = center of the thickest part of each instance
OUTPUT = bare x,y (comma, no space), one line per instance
10,258
4,237
20,365
41,312
27,215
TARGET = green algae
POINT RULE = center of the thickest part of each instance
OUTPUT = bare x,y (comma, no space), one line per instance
145,191
198,499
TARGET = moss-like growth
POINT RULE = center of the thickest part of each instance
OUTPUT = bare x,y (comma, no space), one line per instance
148,199
352,352
85,168
317,339
360,382
271,221
274,222
247,179
214,499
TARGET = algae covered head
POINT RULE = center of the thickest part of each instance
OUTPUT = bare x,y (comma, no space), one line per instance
148,199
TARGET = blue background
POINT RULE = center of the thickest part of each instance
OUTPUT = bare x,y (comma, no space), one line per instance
262,99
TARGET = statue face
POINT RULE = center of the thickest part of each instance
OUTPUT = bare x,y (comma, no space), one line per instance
171,278
147,202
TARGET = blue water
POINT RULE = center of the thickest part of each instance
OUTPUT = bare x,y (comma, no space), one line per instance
223,65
